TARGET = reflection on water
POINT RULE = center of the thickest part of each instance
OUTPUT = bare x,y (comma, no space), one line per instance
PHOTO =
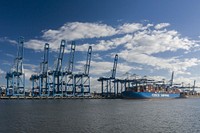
100,115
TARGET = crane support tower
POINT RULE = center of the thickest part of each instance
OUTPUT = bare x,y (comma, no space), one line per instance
82,80
35,85
40,85
69,72
16,77
43,77
56,75
108,83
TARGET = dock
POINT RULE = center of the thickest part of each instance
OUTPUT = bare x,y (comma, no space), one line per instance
46,98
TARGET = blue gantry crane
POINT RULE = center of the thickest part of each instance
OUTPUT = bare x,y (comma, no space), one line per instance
69,72
82,80
56,75
40,85
43,77
109,80
86,76
16,77
35,85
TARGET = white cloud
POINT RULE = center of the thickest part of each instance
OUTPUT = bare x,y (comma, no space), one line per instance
158,78
151,42
148,41
2,72
78,30
123,68
135,42
104,45
133,34
95,85
30,69
172,64
143,46
6,39
96,56
97,68
37,45
187,81
161,25
10,55
103,68
28,73
130,27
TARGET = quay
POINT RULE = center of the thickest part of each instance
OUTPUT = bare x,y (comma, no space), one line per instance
71,97
45,98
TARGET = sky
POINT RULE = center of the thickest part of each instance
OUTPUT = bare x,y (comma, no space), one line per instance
151,37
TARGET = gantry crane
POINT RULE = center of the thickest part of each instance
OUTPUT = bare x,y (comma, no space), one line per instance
82,80
16,77
40,81
109,80
56,75
69,72
43,76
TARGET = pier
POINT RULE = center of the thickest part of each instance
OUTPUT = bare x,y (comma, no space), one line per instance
57,97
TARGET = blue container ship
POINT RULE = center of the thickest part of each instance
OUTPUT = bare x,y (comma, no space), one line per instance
144,89
146,95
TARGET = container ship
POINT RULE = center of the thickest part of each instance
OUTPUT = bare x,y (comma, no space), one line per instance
146,95
146,90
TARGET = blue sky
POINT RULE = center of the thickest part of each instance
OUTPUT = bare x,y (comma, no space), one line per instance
152,38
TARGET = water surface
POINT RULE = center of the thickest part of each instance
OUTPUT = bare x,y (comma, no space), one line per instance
100,116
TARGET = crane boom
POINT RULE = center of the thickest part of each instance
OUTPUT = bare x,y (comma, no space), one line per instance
44,64
71,58
20,53
18,63
87,66
60,56
114,67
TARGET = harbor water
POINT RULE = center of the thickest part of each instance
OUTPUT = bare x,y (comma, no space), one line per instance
100,116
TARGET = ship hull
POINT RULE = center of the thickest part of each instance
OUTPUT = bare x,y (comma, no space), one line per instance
148,95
